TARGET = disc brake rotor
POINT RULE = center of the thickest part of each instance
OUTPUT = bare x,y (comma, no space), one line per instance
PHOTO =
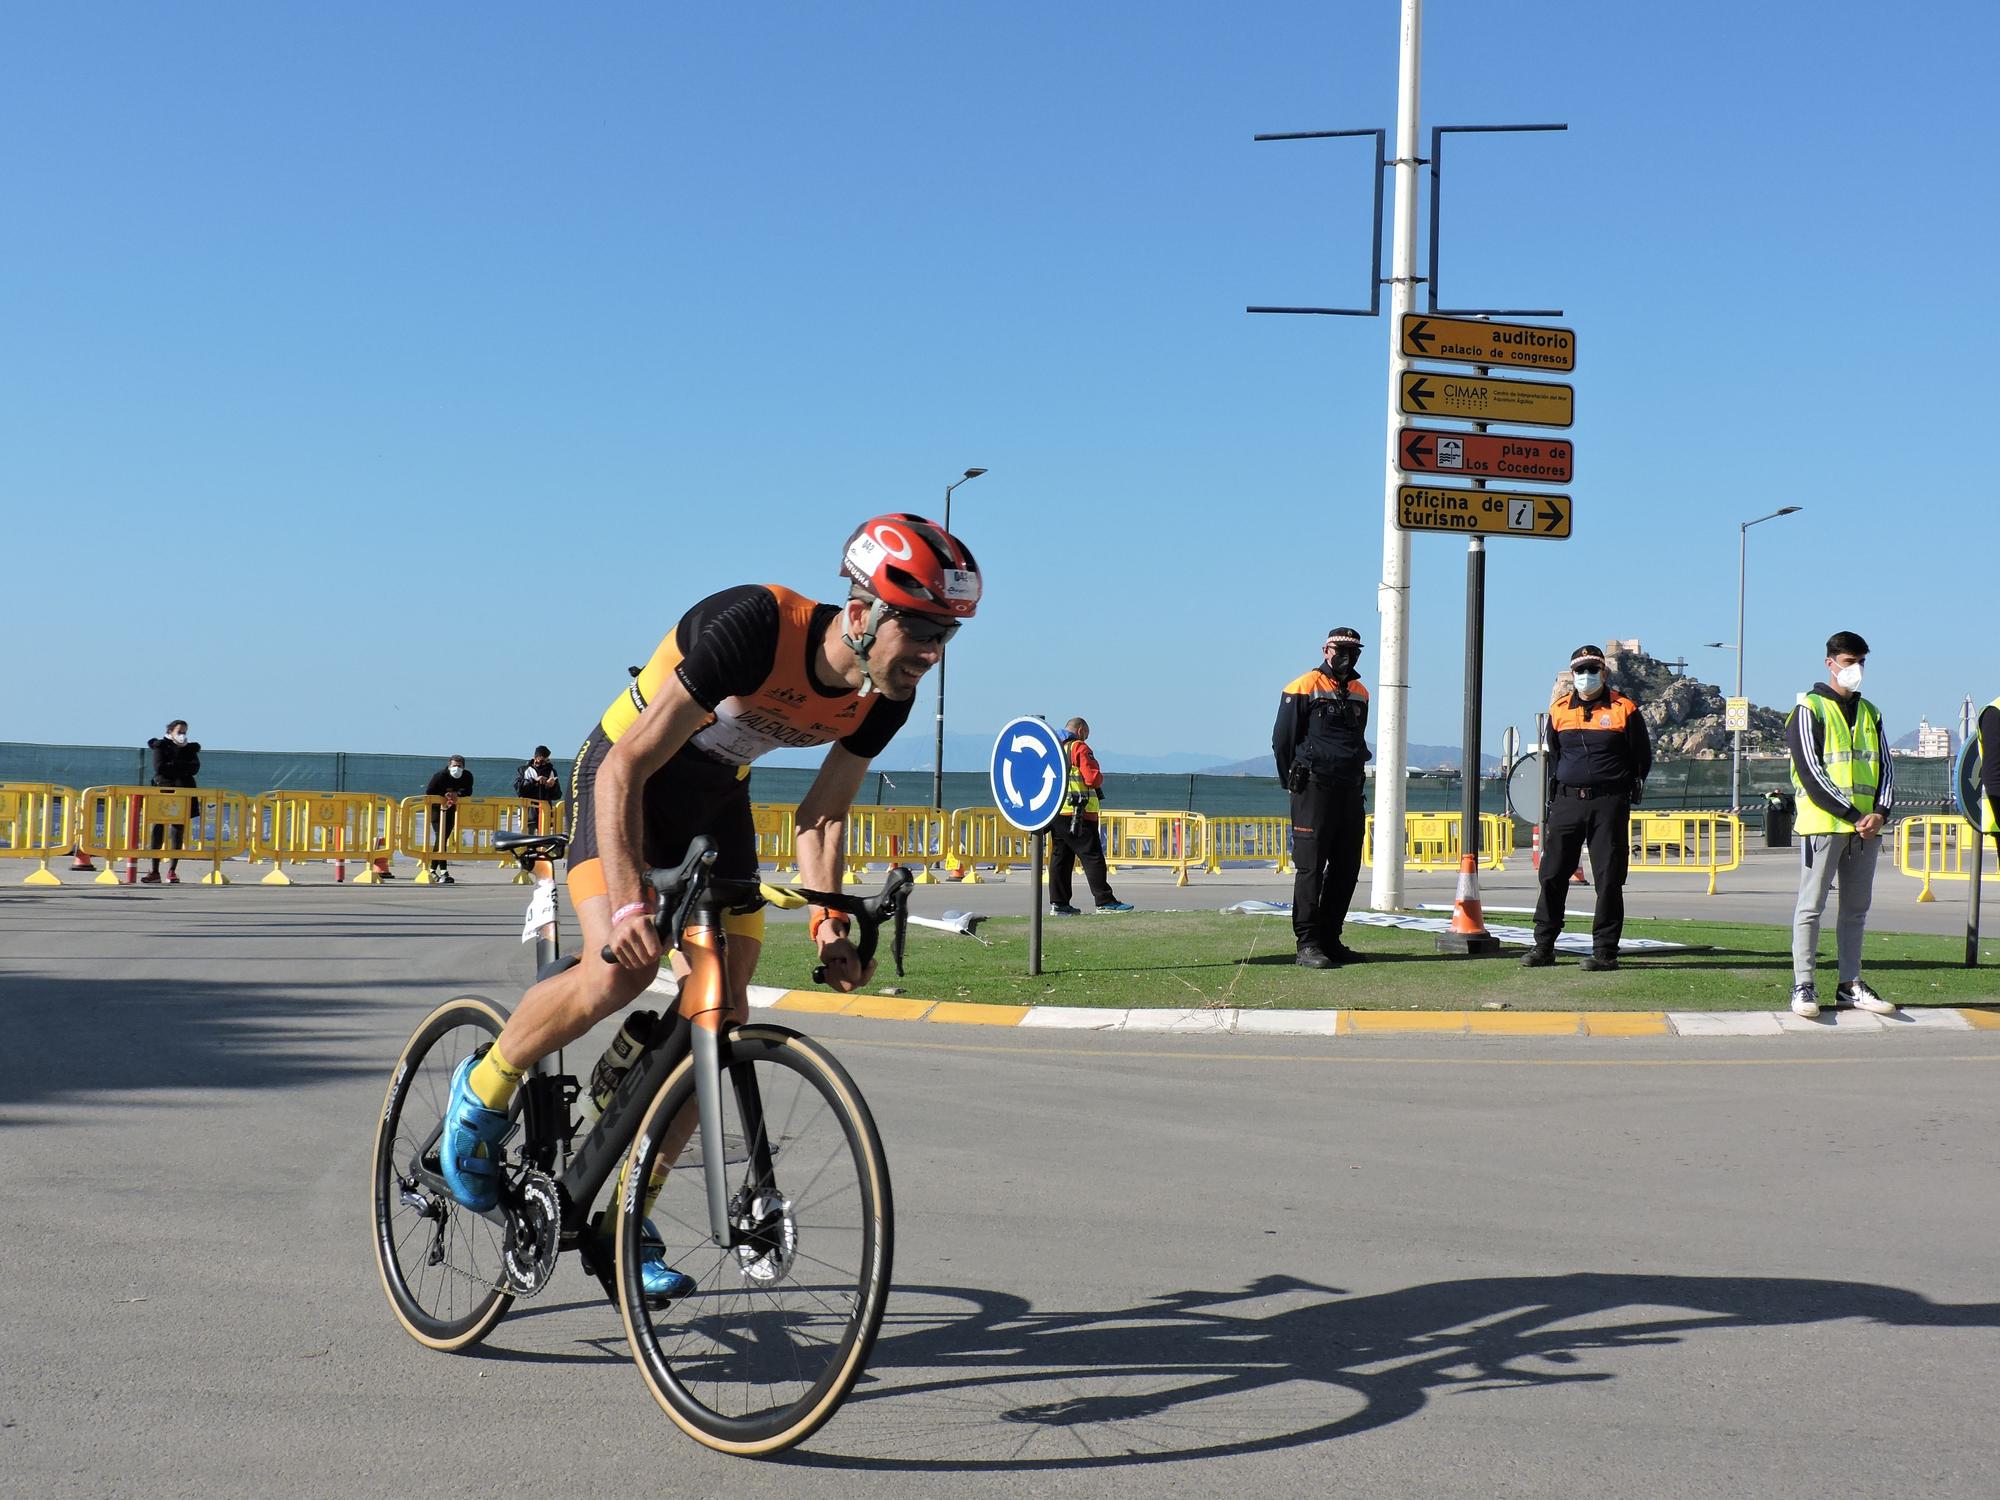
770,1238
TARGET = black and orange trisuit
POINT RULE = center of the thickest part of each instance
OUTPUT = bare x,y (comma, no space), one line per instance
745,655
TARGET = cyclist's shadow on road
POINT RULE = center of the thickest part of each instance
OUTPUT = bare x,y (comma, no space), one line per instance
964,1379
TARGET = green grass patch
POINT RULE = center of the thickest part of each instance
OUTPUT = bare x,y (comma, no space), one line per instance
1182,959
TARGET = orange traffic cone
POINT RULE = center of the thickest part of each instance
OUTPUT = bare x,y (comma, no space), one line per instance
1468,934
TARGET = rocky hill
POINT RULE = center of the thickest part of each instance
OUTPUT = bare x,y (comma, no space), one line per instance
1684,714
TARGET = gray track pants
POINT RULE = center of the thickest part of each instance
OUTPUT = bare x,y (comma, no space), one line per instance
1824,859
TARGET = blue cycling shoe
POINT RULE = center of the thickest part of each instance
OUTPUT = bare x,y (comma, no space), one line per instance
663,1283
466,1149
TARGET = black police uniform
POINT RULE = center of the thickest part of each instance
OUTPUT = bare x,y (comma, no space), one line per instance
1321,754
1598,753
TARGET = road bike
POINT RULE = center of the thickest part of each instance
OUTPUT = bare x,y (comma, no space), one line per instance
746,1149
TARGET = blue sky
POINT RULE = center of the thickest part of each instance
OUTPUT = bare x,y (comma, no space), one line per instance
387,377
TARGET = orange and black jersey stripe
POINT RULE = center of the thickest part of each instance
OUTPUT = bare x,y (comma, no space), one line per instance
745,654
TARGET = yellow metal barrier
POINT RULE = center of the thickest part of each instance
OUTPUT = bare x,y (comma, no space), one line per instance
431,835
1240,840
35,824
980,836
1431,840
290,828
1686,842
913,836
777,835
117,822
1173,840
1929,849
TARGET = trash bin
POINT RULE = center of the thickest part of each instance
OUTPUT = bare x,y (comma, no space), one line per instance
1780,812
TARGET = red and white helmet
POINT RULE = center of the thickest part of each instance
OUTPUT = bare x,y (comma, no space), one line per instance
912,564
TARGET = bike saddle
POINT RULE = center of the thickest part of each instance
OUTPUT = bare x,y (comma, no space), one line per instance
532,845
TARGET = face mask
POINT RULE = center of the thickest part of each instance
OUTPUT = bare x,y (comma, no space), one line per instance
1848,678
178,739
1587,683
1343,662
456,770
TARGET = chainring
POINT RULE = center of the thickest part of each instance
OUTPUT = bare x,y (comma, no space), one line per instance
534,1227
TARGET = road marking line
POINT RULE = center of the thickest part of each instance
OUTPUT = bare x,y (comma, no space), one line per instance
1985,1018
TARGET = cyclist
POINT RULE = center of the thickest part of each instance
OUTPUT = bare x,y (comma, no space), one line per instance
746,671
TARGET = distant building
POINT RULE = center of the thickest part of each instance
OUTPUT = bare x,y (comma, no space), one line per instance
1933,741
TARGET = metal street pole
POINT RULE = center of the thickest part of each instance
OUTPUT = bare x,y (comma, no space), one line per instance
937,763
1742,557
1736,739
1393,594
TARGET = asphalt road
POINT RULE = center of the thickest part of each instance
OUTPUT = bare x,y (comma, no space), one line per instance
1127,1265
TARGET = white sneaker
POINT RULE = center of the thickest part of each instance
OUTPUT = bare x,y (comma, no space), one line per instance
1861,997
1805,1001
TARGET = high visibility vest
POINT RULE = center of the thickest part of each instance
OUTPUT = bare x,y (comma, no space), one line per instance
1987,823
1853,760
1075,793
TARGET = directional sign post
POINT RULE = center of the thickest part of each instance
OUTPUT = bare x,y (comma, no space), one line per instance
1482,512
1029,770
1485,455
1473,341
1487,398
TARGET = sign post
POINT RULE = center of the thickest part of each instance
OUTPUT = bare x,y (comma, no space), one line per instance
1028,773
1970,792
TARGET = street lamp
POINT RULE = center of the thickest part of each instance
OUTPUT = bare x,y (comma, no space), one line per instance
937,765
1742,554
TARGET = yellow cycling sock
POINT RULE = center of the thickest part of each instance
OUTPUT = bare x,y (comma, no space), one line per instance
494,1079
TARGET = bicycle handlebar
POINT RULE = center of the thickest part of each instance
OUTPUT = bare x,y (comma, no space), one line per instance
681,890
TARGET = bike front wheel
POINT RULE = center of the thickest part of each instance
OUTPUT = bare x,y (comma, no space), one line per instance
778,1325
440,1262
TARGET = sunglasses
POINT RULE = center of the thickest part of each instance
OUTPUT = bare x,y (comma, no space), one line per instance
924,629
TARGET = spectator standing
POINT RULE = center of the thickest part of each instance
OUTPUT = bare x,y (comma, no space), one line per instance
453,782
176,760
536,782
1322,754
1844,780
1597,756
1075,834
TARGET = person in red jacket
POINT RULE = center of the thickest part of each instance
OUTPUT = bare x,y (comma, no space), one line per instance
1075,836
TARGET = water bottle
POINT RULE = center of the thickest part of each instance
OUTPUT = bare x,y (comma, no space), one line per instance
633,1038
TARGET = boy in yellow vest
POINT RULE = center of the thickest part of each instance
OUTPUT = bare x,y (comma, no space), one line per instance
1844,779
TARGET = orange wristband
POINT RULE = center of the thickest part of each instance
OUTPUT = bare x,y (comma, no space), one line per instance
819,916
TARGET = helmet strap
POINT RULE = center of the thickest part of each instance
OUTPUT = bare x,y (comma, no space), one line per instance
861,645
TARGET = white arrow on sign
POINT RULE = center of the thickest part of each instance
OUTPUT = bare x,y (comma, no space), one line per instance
1013,793
1027,742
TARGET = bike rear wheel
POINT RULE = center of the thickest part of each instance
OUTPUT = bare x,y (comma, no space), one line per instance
440,1262
777,1329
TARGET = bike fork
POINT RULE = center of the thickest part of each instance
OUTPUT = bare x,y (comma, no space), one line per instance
714,1150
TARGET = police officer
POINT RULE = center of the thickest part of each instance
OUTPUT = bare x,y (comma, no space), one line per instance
1074,838
1322,756
1598,756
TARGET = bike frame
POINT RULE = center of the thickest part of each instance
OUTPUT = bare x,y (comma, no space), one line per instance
705,1002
